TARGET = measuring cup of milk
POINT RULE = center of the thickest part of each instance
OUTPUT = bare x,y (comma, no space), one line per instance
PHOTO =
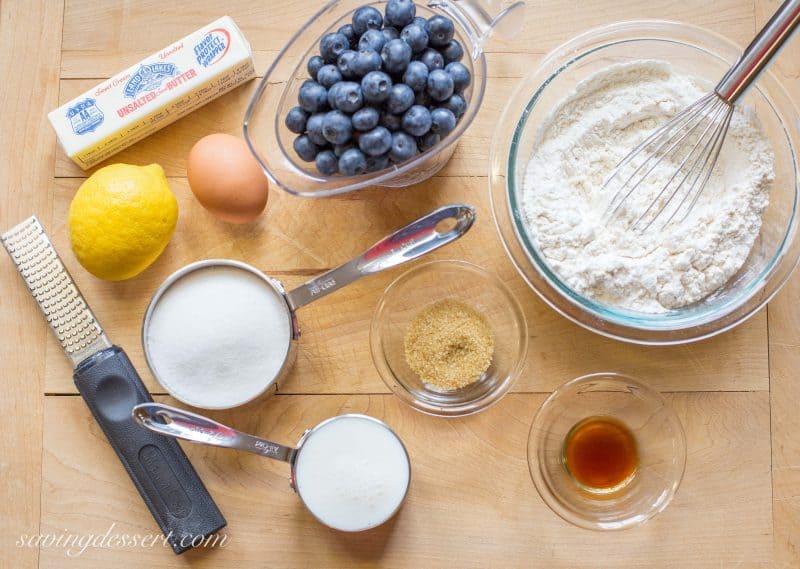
218,333
352,472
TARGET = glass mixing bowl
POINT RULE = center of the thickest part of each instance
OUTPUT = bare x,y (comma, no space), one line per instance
271,142
690,50
660,445
420,287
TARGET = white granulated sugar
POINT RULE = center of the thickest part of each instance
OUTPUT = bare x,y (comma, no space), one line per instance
586,135
218,336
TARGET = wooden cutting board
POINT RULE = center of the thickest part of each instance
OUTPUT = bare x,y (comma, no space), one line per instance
472,503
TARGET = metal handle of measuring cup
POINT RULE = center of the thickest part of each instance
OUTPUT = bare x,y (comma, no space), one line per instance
416,239
179,424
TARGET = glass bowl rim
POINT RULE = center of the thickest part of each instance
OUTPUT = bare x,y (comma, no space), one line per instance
463,408
554,502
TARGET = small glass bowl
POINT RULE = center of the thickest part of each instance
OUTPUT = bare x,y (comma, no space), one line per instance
660,442
431,282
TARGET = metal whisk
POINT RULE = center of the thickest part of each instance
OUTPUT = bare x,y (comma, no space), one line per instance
694,138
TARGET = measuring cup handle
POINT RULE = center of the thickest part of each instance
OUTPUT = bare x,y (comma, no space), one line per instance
416,239
177,423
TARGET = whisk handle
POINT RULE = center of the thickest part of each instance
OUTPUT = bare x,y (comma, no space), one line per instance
760,52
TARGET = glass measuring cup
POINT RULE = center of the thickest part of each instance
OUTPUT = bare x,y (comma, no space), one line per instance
420,237
352,472
271,142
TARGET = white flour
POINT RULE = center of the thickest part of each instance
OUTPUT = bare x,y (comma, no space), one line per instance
587,134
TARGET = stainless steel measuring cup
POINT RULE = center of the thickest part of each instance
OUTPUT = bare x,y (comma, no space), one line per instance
438,228
176,423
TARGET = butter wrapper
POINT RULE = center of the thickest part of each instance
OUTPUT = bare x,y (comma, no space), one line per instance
153,93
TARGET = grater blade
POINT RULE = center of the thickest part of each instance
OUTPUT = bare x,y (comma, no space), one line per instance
51,285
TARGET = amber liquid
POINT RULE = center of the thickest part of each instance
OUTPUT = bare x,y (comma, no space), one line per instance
601,454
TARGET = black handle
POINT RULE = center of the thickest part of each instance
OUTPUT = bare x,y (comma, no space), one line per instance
157,465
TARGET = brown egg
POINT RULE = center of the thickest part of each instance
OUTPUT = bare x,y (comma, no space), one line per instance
226,179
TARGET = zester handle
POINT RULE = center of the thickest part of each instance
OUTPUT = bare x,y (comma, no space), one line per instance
760,52
159,469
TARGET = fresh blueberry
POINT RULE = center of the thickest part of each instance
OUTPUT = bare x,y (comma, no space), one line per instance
456,104
366,18
314,64
422,98
365,62
296,120
432,59
327,163
417,120
348,97
415,36
340,149
332,95
352,162
452,52
400,13
345,63
428,141
328,75
403,147
336,127
366,119
440,31
348,32
314,129
376,86
390,121
443,121
372,39
420,21
440,84
460,74
312,96
416,76
390,33
401,97
332,45
377,163
396,54
305,149
375,142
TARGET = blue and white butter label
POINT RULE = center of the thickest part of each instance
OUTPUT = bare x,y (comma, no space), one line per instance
212,47
148,77
84,116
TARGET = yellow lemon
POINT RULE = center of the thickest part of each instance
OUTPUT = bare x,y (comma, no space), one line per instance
121,219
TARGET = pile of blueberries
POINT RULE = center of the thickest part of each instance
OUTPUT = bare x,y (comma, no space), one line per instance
384,88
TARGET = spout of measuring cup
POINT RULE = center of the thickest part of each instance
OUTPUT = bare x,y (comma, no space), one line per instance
484,18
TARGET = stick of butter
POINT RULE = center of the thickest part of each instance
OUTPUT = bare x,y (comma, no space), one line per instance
153,93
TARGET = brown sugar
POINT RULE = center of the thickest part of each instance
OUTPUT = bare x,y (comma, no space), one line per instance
449,344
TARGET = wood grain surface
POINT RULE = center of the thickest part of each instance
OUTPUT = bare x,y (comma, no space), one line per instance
472,503
30,50
784,359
